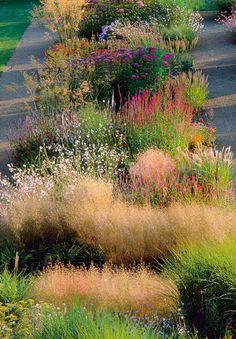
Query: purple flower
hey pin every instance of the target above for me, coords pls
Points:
(152, 49)
(167, 57)
(147, 58)
(134, 77)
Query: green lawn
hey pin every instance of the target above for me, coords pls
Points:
(14, 18)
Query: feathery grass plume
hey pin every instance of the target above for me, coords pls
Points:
(116, 289)
(86, 209)
(63, 16)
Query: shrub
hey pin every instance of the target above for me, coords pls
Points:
(13, 319)
(205, 276)
(116, 290)
(103, 12)
(124, 71)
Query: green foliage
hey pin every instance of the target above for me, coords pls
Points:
(182, 32)
(196, 95)
(38, 255)
(224, 4)
(81, 323)
(104, 12)
(212, 169)
(13, 286)
(193, 4)
(13, 320)
(14, 18)
(162, 134)
(206, 279)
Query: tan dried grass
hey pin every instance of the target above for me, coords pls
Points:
(126, 233)
(115, 290)
(63, 16)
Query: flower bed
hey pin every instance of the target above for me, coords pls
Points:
(117, 175)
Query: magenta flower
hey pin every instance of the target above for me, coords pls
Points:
(164, 64)
(167, 57)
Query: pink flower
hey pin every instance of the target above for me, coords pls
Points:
(164, 64)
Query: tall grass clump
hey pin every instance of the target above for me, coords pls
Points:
(163, 119)
(121, 290)
(203, 175)
(206, 279)
(63, 17)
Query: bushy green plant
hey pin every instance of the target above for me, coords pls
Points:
(13, 286)
(13, 319)
(104, 12)
(123, 71)
(206, 280)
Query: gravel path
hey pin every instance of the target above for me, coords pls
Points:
(14, 97)
(216, 56)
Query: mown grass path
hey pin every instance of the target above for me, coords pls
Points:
(14, 19)
(14, 103)
(216, 56)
